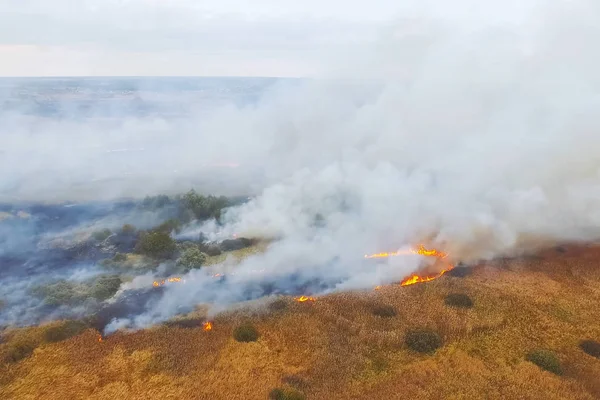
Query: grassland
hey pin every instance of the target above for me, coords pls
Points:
(338, 348)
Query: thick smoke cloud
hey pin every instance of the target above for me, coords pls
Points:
(480, 137)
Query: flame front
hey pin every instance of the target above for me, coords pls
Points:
(162, 282)
(207, 326)
(420, 250)
(302, 299)
(99, 338)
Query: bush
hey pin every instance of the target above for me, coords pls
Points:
(459, 300)
(158, 245)
(128, 229)
(245, 333)
(59, 293)
(19, 350)
(385, 311)
(156, 202)
(460, 271)
(286, 394)
(423, 340)
(235, 244)
(102, 235)
(210, 249)
(278, 305)
(105, 287)
(64, 331)
(169, 226)
(119, 258)
(203, 207)
(590, 347)
(192, 258)
(295, 381)
(545, 359)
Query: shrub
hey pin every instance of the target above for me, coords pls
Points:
(278, 305)
(245, 333)
(385, 311)
(59, 293)
(119, 258)
(286, 394)
(169, 226)
(157, 245)
(295, 381)
(423, 340)
(590, 347)
(105, 287)
(192, 258)
(203, 207)
(102, 235)
(460, 271)
(64, 331)
(210, 249)
(128, 229)
(459, 300)
(19, 350)
(235, 244)
(156, 202)
(545, 359)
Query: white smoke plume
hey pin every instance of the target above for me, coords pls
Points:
(480, 136)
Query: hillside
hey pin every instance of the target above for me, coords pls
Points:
(337, 348)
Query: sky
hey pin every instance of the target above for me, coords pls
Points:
(209, 37)
(182, 37)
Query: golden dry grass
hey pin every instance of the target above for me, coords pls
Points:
(338, 349)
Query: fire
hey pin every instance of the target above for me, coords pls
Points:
(420, 250)
(302, 299)
(418, 279)
(207, 326)
(162, 282)
(99, 338)
(392, 254)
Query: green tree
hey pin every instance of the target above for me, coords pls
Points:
(192, 258)
(158, 245)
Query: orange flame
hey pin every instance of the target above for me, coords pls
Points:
(420, 250)
(162, 282)
(99, 338)
(302, 299)
(418, 279)
(207, 326)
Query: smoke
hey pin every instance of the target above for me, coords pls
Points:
(479, 136)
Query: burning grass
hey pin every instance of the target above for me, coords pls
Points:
(341, 350)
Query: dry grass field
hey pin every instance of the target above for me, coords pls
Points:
(337, 348)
